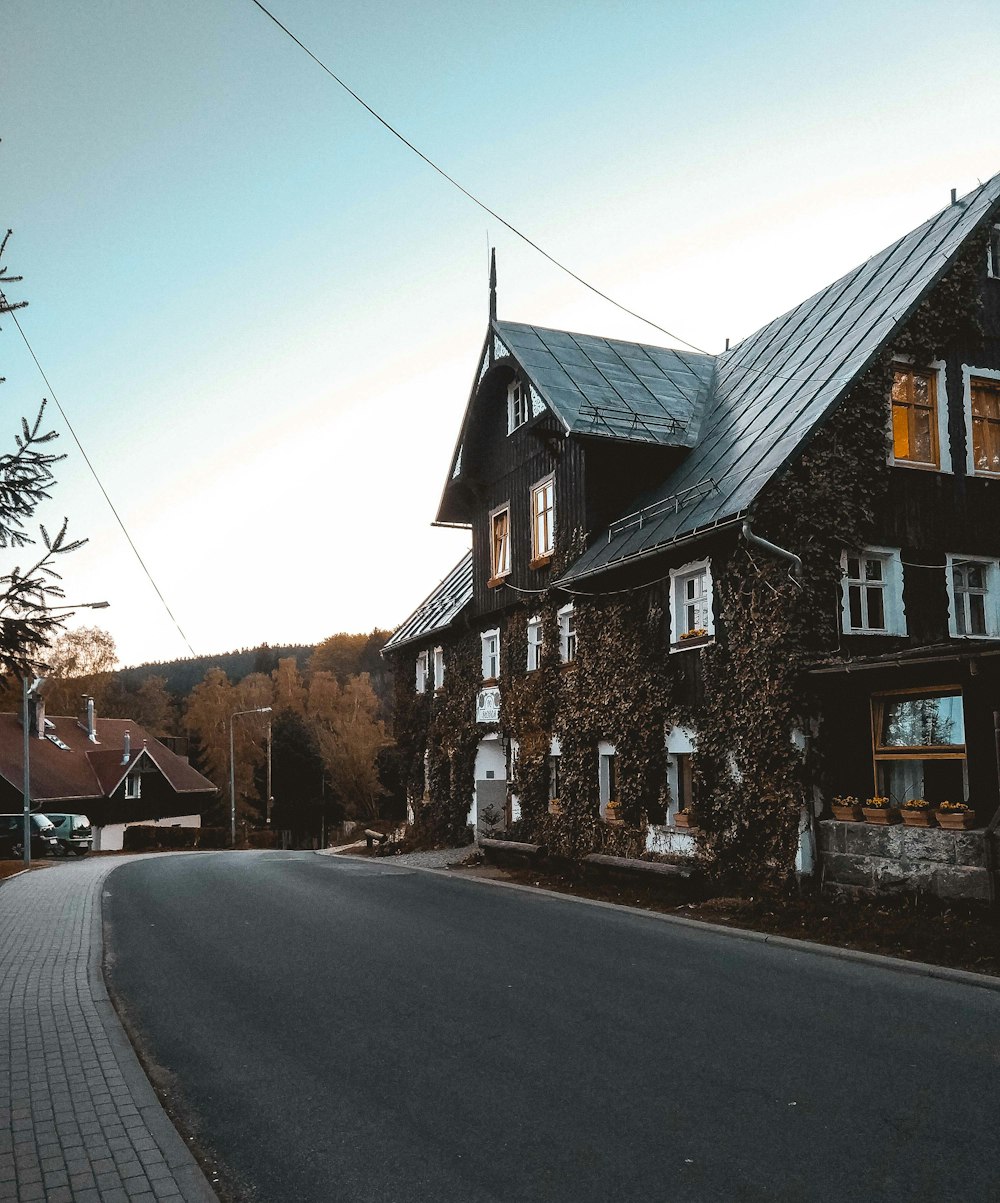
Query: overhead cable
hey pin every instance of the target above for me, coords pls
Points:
(465, 191)
(93, 472)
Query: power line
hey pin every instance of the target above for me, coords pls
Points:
(465, 191)
(93, 472)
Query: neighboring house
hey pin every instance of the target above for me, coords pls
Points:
(722, 590)
(106, 768)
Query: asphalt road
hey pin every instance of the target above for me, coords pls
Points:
(337, 1029)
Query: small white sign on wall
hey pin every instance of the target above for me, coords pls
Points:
(488, 705)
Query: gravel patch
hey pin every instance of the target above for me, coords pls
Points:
(438, 858)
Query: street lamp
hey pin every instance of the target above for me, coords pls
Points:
(29, 694)
(232, 769)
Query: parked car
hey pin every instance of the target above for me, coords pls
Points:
(73, 832)
(43, 835)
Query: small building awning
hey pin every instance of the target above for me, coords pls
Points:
(939, 653)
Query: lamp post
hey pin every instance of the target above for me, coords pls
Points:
(28, 695)
(232, 770)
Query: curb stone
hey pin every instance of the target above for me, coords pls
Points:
(964, 977)
(83, 1120)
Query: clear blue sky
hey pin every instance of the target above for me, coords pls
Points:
(263, 315)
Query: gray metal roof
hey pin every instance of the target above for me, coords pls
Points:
(440, 609)
(773, 389)
(606, 388)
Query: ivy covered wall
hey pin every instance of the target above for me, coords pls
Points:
(743, 696)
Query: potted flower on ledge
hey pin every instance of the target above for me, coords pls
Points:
(847, 809)
(878, 810)
(917, 813)
(956, 815)
(684, 818)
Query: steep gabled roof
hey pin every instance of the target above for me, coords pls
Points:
(77, 769)
(600, 388)
(776, 387)
(606, 388)
(440, 609)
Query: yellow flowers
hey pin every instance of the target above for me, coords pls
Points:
(877, 803)
(695, 633)
(917, 804)
(953, 806)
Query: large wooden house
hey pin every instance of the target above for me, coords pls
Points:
(708, 594)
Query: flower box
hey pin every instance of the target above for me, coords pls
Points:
(847, 814)
(683, 819)
(956, 820)
(918, 818)
(883, 816)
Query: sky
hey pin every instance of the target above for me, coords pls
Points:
(262, 314)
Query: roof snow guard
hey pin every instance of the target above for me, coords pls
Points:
(606, 388)
(775, 388)
(440, 609)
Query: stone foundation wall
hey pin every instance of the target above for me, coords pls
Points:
(866, 858)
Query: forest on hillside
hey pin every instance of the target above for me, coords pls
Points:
(329, 722)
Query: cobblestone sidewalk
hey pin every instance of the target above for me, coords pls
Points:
(79, 1120)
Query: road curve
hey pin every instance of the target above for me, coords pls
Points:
(339, 1029)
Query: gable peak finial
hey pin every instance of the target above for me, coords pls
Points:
(493, 284)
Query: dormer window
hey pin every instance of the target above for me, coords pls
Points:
(133, 786)
(518, 404)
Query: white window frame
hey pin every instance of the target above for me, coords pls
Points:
(938, 369)
(518, 404)
(499, 570)
(992, 264)
(678, 583)
(968, 372)
(133, 786)
(991, 605)
(567, 633)
(893, 608)
(539, 552)
(534, 643)
(491, 656)
(438, 668)
(422, 670)
(681, 741)
(605, 750)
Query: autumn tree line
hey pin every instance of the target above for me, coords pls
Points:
(331, 753)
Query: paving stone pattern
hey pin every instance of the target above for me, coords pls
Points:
(79, 1120)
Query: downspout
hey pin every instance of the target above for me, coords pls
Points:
(795, 572)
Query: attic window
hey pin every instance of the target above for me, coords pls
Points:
(518, 404)
(133, 786)
(499, 545)
(915, 433)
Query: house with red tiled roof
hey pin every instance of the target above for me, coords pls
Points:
(110, 769)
